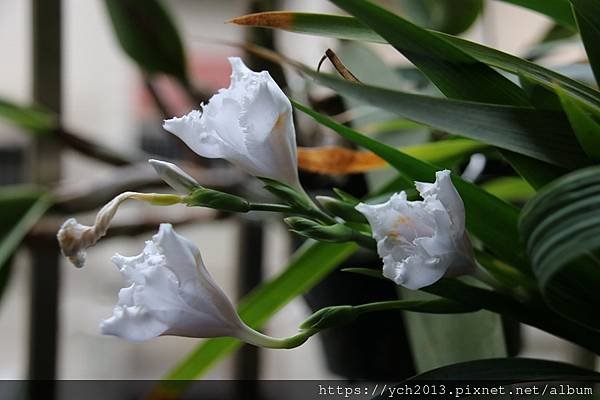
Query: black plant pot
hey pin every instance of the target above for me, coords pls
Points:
(375, 346)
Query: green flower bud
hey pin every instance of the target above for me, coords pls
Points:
(314, 230)
(341, 209)
(210, 198)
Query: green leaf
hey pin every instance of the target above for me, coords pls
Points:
(310, 264)
(587, 14)
(543, 135)
(585, 124)
(456, 17)
(350, 28)
(561, 228)
(444, 151)
(510, 370)
(32, 119)
(20, 209)
(455, 73)
(492, 220)
(369, 272)
(438, 340)
(458, 74)
(535, 72)
(553, 35)
(148, 35)
(510, 189)
(450, 16)
(532, 312)
(558, 10)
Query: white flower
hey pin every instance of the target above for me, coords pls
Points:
(249, 124)
(169, 292)
(422, 241)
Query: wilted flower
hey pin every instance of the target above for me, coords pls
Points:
(170, 292)
(74, 238)
(422, 241)
(249, 124)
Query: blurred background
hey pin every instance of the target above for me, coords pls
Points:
(103, 97)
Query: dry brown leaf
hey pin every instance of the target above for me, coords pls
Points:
(334, 160)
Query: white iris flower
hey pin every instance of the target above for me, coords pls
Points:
(422, 241)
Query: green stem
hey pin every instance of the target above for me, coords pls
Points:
(256, 338)
(483, 276)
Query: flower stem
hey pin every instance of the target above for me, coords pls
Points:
(256, 338)
(485, 277)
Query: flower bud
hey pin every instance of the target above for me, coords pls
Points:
(341, 209)
(174, 176)
(314, 230)
(210, 198)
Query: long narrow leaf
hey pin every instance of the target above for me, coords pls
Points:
(31, 119)
(20, 209)
(587, 14)
(350, 28)
(585, 126)
(148, 35)
(543, 135)
(455, 73)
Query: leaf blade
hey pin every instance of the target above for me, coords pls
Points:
(561, 228)
(587, 14)
(148, 35)
(349, 28)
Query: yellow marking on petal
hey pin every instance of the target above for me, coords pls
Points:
(280, 123)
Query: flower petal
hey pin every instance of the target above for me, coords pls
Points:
(413, 272)
(444, 191)
(249, 124)
(170, 292)
(421, 241)
(132, 323)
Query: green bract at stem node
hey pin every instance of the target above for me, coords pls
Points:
(329, 233)
(341, 209)
(298, 200)
(210, 198)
